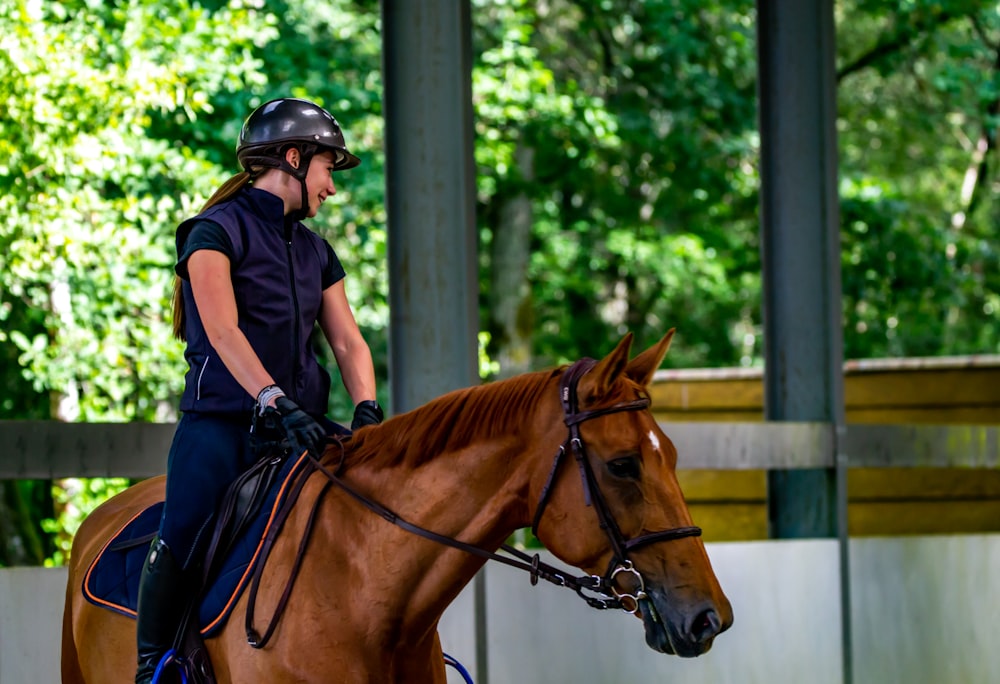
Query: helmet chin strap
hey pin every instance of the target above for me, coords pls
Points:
(306, 153)
(303, 210)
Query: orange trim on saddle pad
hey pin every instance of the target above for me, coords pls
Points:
(113, 589)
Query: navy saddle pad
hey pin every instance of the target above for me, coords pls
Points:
(112, 581)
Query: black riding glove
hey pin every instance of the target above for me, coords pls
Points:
(302, 432)
(366, 413)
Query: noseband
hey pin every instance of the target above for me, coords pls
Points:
(605, 588)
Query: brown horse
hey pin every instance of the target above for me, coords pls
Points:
(573, 452)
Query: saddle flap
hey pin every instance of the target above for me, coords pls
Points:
(112, 581)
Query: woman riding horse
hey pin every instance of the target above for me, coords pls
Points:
(574, 453)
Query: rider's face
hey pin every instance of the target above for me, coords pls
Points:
(319, 181)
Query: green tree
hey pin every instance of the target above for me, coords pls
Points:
(629, 128)
(89, 202)
(624, 135)
(919, 96)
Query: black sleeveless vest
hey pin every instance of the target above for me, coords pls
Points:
(277, 279)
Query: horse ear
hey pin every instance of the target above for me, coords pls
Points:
(600, 378)
(642, 367)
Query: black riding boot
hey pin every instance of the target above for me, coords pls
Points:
(162, 600)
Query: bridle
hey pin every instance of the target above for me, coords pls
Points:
(620, 547)
(598, 591)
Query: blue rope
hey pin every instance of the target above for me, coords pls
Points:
(448, 660)
(169, 658)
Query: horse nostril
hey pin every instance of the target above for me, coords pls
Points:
(705, 625)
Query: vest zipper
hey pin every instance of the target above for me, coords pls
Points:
(295, 309)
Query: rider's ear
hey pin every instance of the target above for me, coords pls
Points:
(642, 367)
(596, 383)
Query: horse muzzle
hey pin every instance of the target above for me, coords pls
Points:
(686, 632)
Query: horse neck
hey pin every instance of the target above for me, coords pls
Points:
(477, 494)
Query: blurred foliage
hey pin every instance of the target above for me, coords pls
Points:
(629, 129)
(919, 98)
(90, 200)
(75, 499)
(642, 120)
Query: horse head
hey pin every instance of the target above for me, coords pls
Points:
(618, 512)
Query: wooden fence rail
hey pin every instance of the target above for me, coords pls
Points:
(922, 443)
(48, 449)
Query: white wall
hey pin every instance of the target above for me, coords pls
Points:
(926, 610)
(785, 629)
(31, 606)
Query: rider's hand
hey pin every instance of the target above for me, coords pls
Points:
(302, 432)
(367, 413)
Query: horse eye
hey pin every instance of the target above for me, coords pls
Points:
(626, 468)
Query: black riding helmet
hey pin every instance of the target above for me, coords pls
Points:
(291, 122)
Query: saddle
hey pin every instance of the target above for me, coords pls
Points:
(241, 521)
(242, 503)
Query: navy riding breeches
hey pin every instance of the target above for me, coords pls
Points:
(208, 453)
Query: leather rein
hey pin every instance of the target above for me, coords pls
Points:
(598, 592)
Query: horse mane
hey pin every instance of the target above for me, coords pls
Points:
(451, 421)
